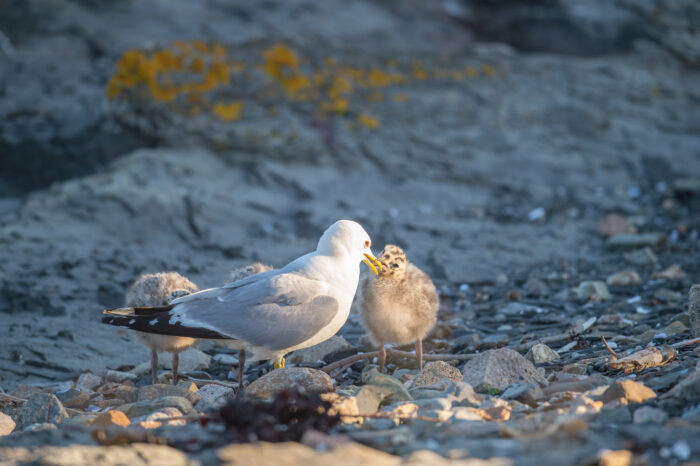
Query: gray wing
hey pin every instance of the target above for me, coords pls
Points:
(278, 311)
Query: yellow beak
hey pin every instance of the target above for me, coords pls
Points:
(371, 261)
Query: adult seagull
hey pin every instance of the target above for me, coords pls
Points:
(272, 313)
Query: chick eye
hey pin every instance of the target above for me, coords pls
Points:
(394, 266)
(367, 244)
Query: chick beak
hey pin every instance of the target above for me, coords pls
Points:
(371, 261)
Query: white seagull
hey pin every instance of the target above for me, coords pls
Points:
(270, 313)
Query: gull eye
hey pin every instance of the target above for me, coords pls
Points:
(367, 243)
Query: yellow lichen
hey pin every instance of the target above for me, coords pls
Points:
(228, 112)
(488, 70)
(368, 121)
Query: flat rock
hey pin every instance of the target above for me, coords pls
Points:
(320, 352)
(41, 408)
(191, 359)
(120, 377)
(687, 390)
(136, 454)
(73, 398)
(304, 378)
(7, 425)
(499, 368)
(593, 290)
(541, 353)
(263, 453)
(112, 417)
(627, 391)
(527, 393)
(159, 390)
(672, 273)
(634, 241)
(212, 395)
(87, 382)
(390, 385)
(435, 371)
(142, 408)
(624, 278)
(614, 224)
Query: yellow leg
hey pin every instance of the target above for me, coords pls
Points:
(279, 363)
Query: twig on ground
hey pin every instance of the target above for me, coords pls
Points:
(207, 382)
(692, 341)
(396, 354)
(573, 333)
(22, 400)
(610, 350)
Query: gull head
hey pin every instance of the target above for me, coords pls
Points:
(394, 260)
(346, 238)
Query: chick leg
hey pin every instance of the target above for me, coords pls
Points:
(241, 369)
(154, 366)
(176, 362)
(419, 353)
(382, 357)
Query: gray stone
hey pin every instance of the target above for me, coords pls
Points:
(212, 395)
(191, 359)
(541, 353)
(320, 352)
(142, 408)
(624, 278)
(527, 393)
(159, 390)
(687, 390)
(388, 384)
(672, 273)
(87, 382)
(39, 427)
(634, 241)
(120, 377)
(164, 414)
(136, 454)
(303, 378)
(7, 425)
(435, 371)
(593, 290)
(692, 415)
(644, 256)
(648, 414)
(536, 287)
(41, 408)
(74, 399)
(616, 415)
(627, 391)
(499, 368)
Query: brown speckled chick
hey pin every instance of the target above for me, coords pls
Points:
(158, 289)
(400, 305)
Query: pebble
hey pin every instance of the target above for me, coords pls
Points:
(151, 392)
(644, 256)
(225, 359)
(142, 408)
(528, 393)
(120, 377)
(111, 418)
(541, 353)
(74, 399)
(672, 273)
(624, 278)
(499, 368)
(87, 382)
(388, 384)
(155, 420)
(212, 395)
(614, 224)
(536, 287)
(593, 290)
(435, 371)
(42, 407)
(310, 380)
(7, 425)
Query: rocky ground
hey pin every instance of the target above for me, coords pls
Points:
(540, 162)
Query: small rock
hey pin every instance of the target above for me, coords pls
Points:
(74, 399)
(212, 395)
(536, 287)
(142, 408)
(7, 425)
(624, 278)
(687, 390)
(648, 414)
(225, 359)
(191, 359)
(517, 309)
(390, 385)
(692, 415)
(593, 290)
(541, 353)
(111, 418)
(666, 295)
(627, 391)
(127, 393)
(39, 427)
(436, 370)
(120, 377)
(527, 393)
(634, 241)
(614, 224)
(616, 415)
(673, 273)
(41, 408)
(321, 352)
(87, 382)
(151, 392)
(25, 391)
(644, 256)
(681, 450)
(342, 405)
(499, 368)
(310, 380)
(155, 420)
(615, 458)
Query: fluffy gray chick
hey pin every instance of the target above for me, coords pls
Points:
(158, 289)
(400, 305)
